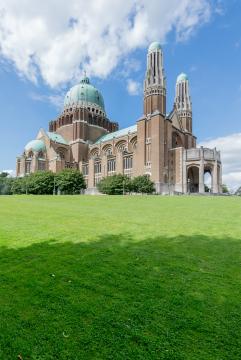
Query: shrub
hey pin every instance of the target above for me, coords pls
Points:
(225, 189)
(39, 183)
(5, 185)
(142, 184)
(115, 185)
(18, 186)
(70, 181)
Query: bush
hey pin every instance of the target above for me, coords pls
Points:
(70, 181)
(40, 183)
(115, 185)
(5, 185)
(142, 184)
(18, 186)
(225, 189)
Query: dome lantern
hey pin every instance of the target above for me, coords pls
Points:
(154, 46)
(182, 77)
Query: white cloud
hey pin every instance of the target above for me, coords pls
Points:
(11, 173)
(57, 39)
(230, 147)
(55, 99)
(133, 87)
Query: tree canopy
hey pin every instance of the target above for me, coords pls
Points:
(70, 181)
(142, 184)
(115, 185)
(120, 184)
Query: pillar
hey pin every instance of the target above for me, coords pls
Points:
(215, 178)
(201, 172)
(91, 174)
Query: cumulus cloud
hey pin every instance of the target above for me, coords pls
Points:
(133, 87)
(56, 100)
(57, 39)
(230, 147)
(11, 173)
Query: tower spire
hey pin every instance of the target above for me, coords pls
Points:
(183, 102)
(155, 81)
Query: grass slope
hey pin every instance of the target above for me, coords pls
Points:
(120, 278)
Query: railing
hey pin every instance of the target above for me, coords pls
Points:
(202, 153)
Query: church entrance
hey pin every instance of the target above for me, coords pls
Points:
(193, 179)
(208, 180)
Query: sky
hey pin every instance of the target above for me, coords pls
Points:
(46, 46)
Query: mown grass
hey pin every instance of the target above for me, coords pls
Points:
(120, 278)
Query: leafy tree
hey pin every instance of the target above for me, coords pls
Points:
(4, 174)
(70, 181)
(115, 185)
(40, 183)
(225, 189)
(18, 186)
(5, 185)
(143, 184)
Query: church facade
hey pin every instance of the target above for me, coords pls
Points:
(160, 145)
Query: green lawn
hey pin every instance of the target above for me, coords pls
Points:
(120, 278)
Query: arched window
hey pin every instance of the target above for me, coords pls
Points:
(94, 152)
(107, 149)
(111, 164)
(61, 153)
(121, 146)
(40, 154)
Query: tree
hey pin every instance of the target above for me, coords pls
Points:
(5, 185)
(143, 184)
(4, 174)
(70, 181)
(18, 186)
(40, 183)
(225, 189)
(115, 185)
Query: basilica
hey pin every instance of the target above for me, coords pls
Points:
(159, 144)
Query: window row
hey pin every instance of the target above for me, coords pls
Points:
(111, 166)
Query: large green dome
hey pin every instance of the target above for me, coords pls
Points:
(84, 94)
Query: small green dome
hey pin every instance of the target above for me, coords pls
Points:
(35, 146)
(84, 92)
(154, 46)
(182, 77)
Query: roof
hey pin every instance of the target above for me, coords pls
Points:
(182, 77)
(117, 134)
(35, 145)
(154, 46)
(56, 138)
(86, 93)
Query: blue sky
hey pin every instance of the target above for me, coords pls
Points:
(204, 41)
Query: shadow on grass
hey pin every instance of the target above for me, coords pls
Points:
(116, 298)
